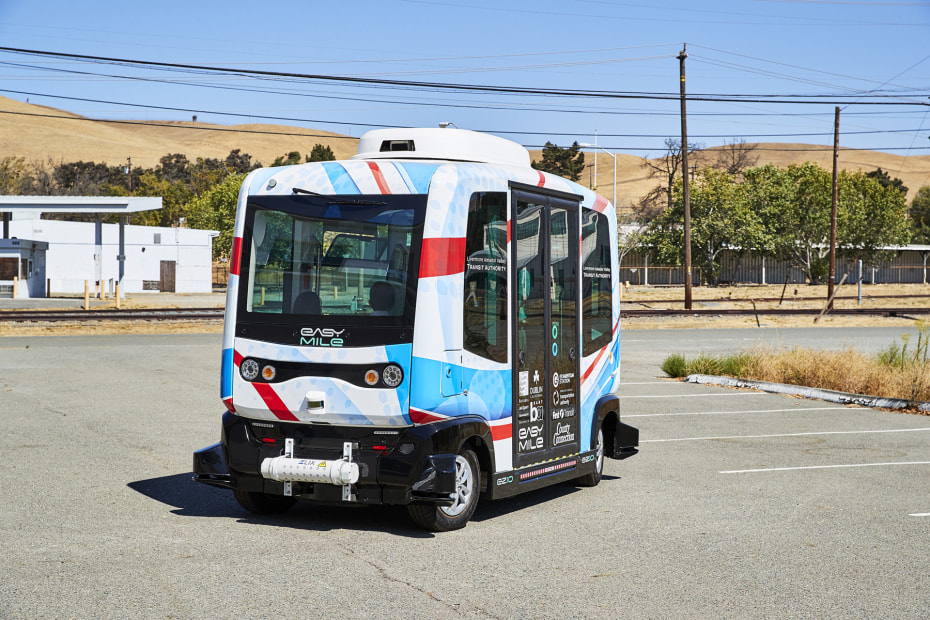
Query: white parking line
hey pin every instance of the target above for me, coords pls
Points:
(895, 430)
(666, 382)
(749, 471)
(660, 415)
(920, 514)
(714, 395)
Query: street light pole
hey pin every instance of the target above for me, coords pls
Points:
(595, 146)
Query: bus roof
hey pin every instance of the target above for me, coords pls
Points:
(444, 144)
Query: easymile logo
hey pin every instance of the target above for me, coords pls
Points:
(321, 336)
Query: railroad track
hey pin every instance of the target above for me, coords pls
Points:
(213, 314)
(147, 314)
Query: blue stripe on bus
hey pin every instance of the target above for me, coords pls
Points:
(417, 176)
(339, 177)
(226, 374)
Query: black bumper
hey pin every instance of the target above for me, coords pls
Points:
(414, 464)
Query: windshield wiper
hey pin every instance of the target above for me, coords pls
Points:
(337, 201)
(300, 190)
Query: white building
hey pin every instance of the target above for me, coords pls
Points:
(140, 258)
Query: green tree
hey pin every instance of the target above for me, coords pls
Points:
(920, 216)
(215, 209)
(321, 153)
(794, 206)
(568, 163)
(174, 195)
(290, 159)
(238, 162)
(15, 177)
(720, 219)
(173, 168)
(885, 179)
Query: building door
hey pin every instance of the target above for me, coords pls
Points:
(166, 282)
(546, 358)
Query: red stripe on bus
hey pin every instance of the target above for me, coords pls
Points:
(600, 204)
(502, 431)
(237, 358)
(379, 178)
(236, 255)
(274, 402)
(542, 179)
(442, 256)
(423, 417)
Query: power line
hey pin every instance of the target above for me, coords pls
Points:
(340, 137)
(442, 86)
(494, 131)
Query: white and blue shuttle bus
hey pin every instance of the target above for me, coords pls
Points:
(428, 322)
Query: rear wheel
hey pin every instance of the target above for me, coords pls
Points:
(465, 498)
(263, 504)
(591, 479)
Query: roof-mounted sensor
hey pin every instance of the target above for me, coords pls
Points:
(444, 144)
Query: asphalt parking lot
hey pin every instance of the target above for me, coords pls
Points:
(740, 505)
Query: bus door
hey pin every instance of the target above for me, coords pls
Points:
(546, 359)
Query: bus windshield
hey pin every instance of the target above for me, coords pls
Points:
(333, 260)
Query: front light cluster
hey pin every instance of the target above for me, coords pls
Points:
(250, 370)
(391, 376)
(387, 376)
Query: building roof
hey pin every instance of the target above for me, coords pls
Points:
(78, 204)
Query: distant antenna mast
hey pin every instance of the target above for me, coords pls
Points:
(128, 171)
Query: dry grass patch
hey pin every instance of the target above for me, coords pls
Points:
(901, 372)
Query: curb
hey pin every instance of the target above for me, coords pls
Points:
(843, 398)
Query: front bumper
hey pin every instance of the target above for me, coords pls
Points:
(394, 466)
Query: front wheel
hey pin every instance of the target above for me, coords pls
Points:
(465, 498)
(591, 479)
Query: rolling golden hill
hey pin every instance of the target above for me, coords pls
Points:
(42, 133)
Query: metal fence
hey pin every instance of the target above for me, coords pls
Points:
(906, 267)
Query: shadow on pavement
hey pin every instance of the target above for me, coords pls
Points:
(192, 499)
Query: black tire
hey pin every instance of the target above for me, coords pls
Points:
(591, 479)
(446, 518)
(262, 504)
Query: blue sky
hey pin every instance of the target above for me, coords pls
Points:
(853, 52)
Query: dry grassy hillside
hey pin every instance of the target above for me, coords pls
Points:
(63, 136)
(67, 137)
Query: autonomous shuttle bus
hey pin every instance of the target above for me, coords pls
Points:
(428, 322)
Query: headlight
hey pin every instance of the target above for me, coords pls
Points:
(392, 375)
(249, 369)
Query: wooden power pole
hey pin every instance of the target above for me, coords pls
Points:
(686, 193)
(831, 283)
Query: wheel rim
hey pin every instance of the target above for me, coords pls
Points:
(464, 487)
(600, 451)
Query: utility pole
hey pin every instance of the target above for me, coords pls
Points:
(686, 192)
(836, 158)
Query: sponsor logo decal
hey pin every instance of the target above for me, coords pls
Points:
(321, 337)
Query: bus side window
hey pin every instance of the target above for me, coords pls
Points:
(597, 302)
(485, 312)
